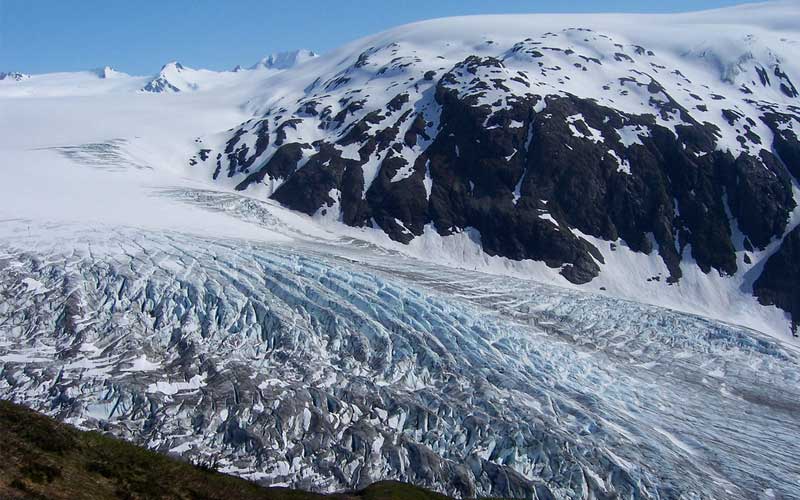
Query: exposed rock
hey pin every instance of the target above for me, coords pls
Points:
(779, 283)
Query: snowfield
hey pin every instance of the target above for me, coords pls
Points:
(142, 297)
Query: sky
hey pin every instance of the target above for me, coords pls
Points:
(39, 36)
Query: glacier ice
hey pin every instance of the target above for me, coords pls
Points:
(293, 364)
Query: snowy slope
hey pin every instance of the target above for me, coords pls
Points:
(145, 297)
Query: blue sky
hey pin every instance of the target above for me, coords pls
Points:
(137, 36)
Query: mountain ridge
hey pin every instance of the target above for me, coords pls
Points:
(174, 77)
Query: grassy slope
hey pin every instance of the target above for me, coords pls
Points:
(41, 458)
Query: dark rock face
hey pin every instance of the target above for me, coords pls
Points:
(759, 196)
(785, 143)
(280, 166)
(404, 200)
(779, 284)
(475, 168)
(310, 187)
(474, 148)
(583, 183)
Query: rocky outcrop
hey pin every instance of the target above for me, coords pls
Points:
(779, 283)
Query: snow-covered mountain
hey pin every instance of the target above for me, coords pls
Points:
(285, 60)
(107, 72)
(175, 77)
(516, 256)
(13, 76)
(658, 165)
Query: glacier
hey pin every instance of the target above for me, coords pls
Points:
(328, 366)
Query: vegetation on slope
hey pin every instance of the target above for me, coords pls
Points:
(42, 458)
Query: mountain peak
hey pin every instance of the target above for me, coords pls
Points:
(173, 65)
(170, 79)
(14, 76)
(107, 72)
(285, 60)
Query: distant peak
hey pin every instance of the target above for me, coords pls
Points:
(14, 76)
(173, 77)
(285, 60)
(108, 72)
(173, 65)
